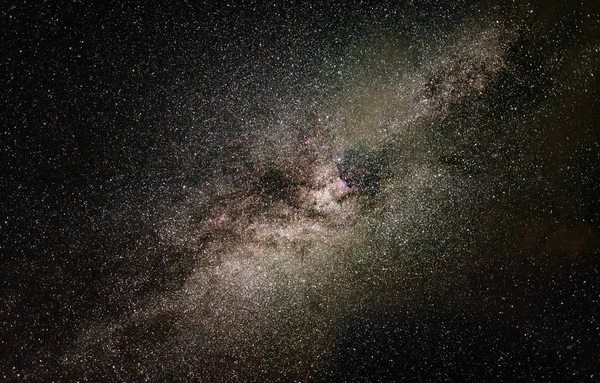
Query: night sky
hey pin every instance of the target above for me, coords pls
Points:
(300, 192)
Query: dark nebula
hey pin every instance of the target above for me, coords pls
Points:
(360, 169)
(311, 192)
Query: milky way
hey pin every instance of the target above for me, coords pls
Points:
(380, 193)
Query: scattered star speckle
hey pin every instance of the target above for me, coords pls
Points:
(339, 192)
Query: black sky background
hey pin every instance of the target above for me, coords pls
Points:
(95, 95)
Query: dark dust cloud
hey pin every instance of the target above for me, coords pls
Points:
(316, 192)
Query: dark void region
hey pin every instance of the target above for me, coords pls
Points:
(361, 169)
(435, 348)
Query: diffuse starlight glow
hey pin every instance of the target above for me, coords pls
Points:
(285, 251)
(340, 192)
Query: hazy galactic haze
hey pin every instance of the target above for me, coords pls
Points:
(338, 191)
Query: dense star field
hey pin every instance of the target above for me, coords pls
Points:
(316, 192)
